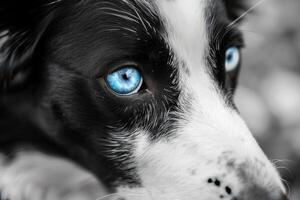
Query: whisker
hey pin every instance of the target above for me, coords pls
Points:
(286, 183)
(285, 168)
(246, 12)
(53, 2)
(275, 161)
(107, 196)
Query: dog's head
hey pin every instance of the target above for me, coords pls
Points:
(140, 93)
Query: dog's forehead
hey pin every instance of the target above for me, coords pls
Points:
(187, 33)
(126, 28)
(184, 18)
(185, 24)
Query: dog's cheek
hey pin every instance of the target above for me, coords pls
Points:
(35, 176)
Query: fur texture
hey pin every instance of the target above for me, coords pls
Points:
(179, 137)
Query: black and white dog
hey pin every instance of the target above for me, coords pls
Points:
(137, 92)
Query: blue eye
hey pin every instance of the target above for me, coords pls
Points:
(232, 58)
(125, 81)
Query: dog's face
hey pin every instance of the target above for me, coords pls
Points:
(140, 93)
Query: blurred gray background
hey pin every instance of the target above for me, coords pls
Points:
(269, 92)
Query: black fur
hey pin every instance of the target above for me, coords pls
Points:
(24, 24)
(235, 8)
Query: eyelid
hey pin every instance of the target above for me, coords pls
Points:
(235, 43)
(234, 38)
(123, 65)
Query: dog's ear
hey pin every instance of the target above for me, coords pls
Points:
(22, 26)
(236, 8)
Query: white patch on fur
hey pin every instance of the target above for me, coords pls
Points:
(35, 176)
(212, 140)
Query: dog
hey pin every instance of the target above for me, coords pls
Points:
(138, 94)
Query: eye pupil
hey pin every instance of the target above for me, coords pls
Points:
(125, 77)
(229, 57)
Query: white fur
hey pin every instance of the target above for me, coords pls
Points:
(35, 176)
